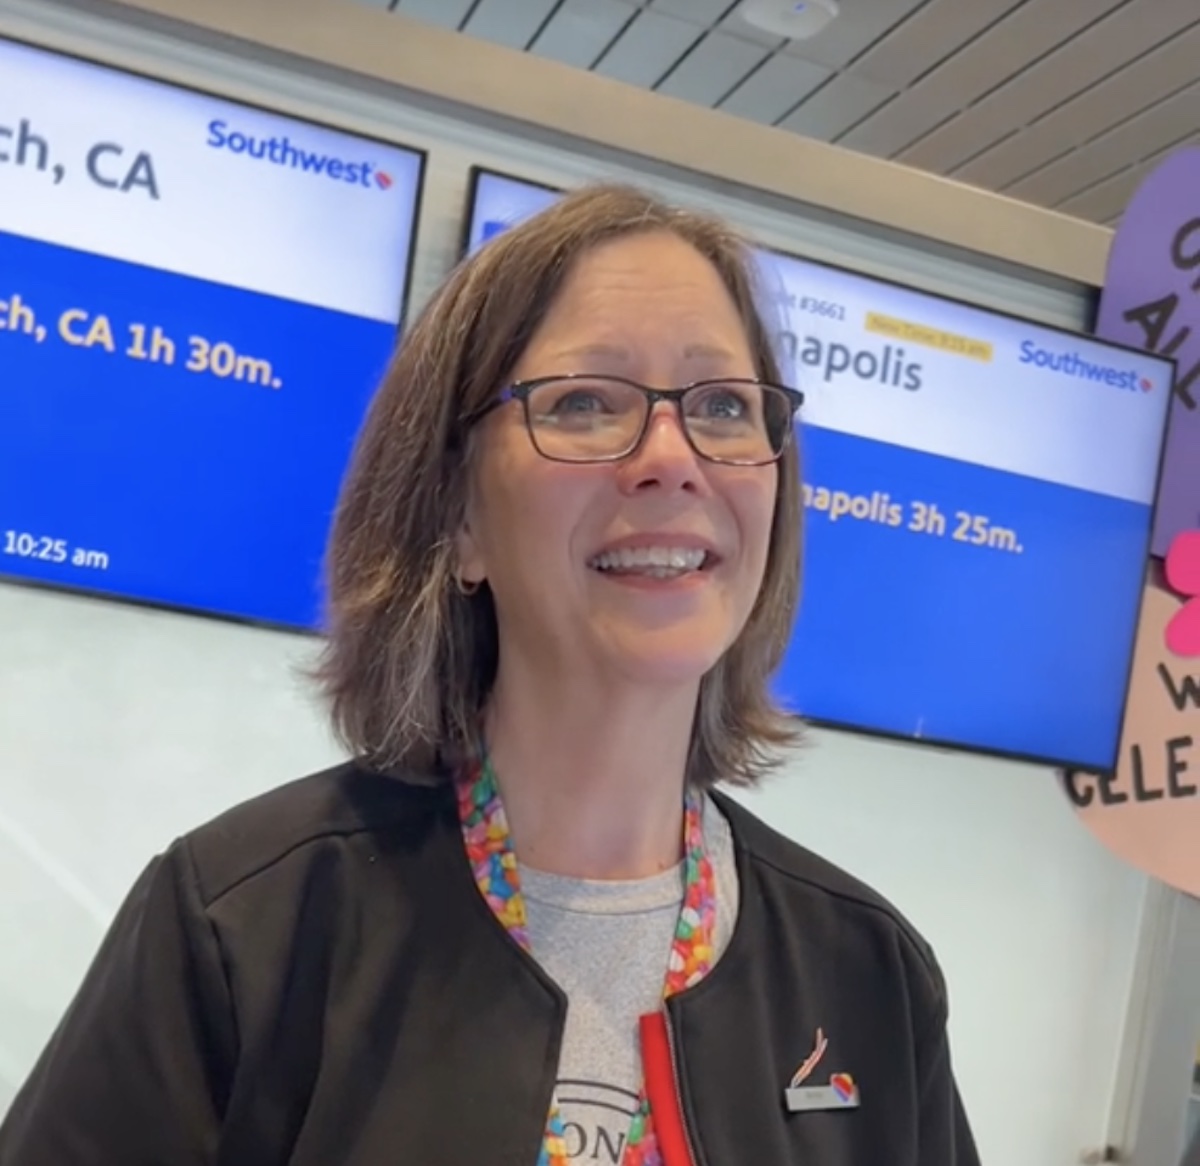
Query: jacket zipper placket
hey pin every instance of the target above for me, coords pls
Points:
(693, 1160)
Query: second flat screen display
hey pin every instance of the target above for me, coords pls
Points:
(978, 497)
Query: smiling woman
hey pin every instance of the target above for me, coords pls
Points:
(522, 925)
(608, 282)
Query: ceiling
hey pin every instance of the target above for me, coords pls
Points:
(1064, 103)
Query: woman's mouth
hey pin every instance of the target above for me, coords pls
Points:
(654, 562)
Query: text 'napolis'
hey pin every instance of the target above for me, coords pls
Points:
(832, 360)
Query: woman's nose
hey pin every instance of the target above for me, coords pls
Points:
(665, 458)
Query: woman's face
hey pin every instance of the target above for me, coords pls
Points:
(566, 548)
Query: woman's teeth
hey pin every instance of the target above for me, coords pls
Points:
(657, 562)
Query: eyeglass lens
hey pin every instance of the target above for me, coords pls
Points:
(597, 418)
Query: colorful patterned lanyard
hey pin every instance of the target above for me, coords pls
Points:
(489, 849)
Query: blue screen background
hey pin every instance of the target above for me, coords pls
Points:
(920, 635)
(203, 492)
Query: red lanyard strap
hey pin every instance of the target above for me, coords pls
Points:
(662, 1090)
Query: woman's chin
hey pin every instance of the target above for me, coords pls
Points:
(664, 656)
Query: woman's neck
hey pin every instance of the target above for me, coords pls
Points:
(592, 787)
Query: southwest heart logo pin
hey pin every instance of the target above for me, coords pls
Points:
(840, 1093)
(843, 1085)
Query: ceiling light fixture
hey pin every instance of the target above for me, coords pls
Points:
(788, 19)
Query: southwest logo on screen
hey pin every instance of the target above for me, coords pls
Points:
(1069, 363)
(280, 151)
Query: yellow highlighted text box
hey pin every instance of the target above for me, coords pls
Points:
(913, 333)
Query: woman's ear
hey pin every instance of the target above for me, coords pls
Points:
(471, 570)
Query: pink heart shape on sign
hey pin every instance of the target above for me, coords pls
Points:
(1183, 632)
(1183, 563)
(1182, 571)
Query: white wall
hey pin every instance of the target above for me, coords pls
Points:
(121, 727)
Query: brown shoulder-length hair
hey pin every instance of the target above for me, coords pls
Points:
(409, 659)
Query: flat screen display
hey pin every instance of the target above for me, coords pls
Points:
(979, 493)
(499, 201)
(197, 299)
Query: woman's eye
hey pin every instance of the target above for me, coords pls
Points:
(726, 406)
(579, 401)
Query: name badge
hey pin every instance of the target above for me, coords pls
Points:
(840, 1093)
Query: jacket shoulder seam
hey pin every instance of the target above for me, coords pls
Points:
(212, 899)
(893, 916)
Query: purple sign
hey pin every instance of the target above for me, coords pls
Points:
(1151, 300)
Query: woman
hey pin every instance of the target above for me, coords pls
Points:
(559, 582)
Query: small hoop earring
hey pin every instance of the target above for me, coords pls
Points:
(466, 587)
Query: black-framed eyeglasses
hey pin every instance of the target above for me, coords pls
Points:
(581, 417)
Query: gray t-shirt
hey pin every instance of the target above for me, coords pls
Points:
(606, 945)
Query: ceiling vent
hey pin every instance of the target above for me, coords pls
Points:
(788, 19)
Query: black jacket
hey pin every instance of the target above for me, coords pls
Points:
(313, 979)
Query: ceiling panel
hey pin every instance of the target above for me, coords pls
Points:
(1134, 88)
(1135, 139)
(1055, 101)
(860, 25)
(928, 37)
(648, 48)
(712, 69)
(509, 22)
(1020, 37)
(580, 30)
(444, 13)
(704, 12)
(1103, 48)
(1106, 200)
(775, 88)
(844, 100)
